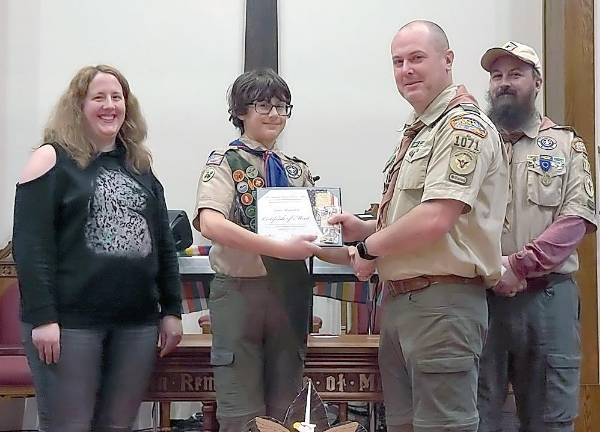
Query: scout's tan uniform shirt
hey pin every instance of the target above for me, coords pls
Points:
(456, 156)
(550, 177)
(217, 191)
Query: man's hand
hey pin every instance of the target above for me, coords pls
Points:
(46, 338)
(353, 228)
(509, 284)
(363, 269)
(171, 332)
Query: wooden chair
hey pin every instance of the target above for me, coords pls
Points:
(15, 375)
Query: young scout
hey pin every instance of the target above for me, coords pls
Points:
(259, 299)
(533, 339)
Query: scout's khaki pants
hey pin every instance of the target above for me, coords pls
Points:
(258, 350)
(429, 352)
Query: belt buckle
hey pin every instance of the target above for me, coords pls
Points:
(428, 282)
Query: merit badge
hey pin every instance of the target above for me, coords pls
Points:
(579, 146)
(246, 198)
(293, 171)
(215, 158)
(463, 162)
(546, 143)
(468, 125)
(251, 211)
(253, 224)
(208, 174)
(258, 182)
(238, 175)
(586, 166)
(251, 171)
(588, 185)
(242, 187)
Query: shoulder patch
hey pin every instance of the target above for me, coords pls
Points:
(208, 174)
(462, 164)
(579, 146)
(293, 170)
(215, 158)
(470, 125)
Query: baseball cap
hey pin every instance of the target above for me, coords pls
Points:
(522, 52)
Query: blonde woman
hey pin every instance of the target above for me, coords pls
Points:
(96, 261)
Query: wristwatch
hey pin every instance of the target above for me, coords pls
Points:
(361, 247)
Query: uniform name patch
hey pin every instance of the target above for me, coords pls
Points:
(468, 125)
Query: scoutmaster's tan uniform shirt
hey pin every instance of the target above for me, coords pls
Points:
(457, 156)
(217, 190)
(550, 177)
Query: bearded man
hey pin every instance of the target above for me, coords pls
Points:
(533, 340)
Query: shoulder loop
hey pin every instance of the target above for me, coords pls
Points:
(295, 159)
(470, 107)
(567, 128)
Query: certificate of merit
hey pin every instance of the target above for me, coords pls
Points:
(286, 212)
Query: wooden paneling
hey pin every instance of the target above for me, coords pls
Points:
(589, 414)
(569, 97)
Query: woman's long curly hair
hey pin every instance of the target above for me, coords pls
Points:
(66, 126)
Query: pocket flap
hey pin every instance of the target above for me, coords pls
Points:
(220, 357)
(446, 365)
(561, 361)
(416, 153)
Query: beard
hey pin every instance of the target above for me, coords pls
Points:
(509, 112)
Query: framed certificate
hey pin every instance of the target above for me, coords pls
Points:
(286, 212)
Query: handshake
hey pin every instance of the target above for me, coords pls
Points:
(353, 229)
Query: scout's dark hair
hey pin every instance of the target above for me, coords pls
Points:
(255, 86)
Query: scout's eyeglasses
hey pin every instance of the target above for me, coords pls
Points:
(266, 107)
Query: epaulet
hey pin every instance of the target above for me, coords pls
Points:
(567, 128)
(470, 107)
(296, 159)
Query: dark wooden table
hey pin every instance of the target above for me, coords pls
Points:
(342, 368)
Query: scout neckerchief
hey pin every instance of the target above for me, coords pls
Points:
(462, 96)
(290, 279)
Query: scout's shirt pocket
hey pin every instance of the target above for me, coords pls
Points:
(545, 175)
(413, 169)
